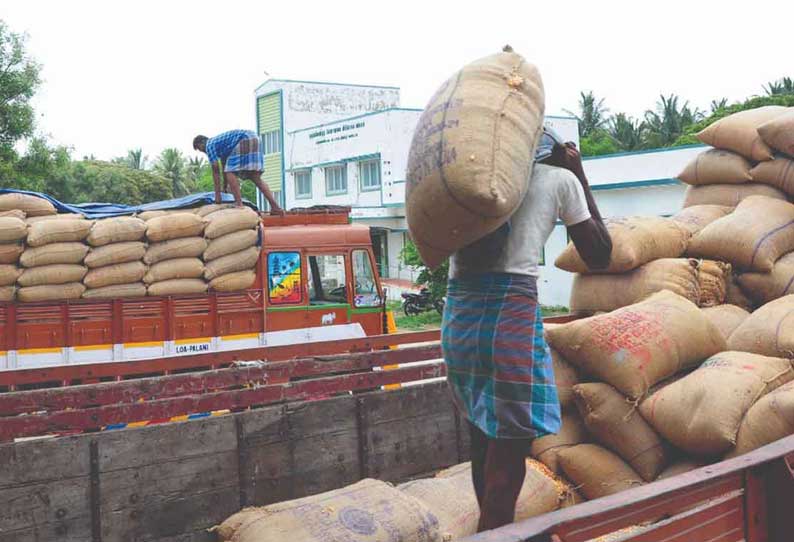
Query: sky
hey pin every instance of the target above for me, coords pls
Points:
(152, 74)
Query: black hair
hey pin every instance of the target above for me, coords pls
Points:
(198, 140)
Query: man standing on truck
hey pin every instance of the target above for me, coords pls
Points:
(233, 154)
(498, 363)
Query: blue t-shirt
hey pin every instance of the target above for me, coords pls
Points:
(221, 146)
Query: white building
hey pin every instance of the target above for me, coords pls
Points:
(338, 144)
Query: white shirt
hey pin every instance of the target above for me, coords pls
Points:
(554, 194)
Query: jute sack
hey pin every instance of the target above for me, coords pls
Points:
(232, 282)
(701, 412)
(454, 506)
(769, 419)
(54, 253)
(739, 132)
(230, 243)
(615, 423)
(122, 273)
(228, 221)
(697, 217)
(174, 226)
(726, 318)
(52, 274)
(540, 493)
(148, 215)
(179, 268)
(59, 292)
(778, 173)
(597, 472)
(177, 287)
(565, 378)
(114, 253)
(16, 213)
(637, 346)
(680, 467)
(136, 289)
(30, 205)
(767, 331)
(116, 230)
(12, 229)
(734, 295)
(57, 231)
(186, 247)
(10, 253)
(572, 432)
(712, 280)
(766, 287)
(367, 511)
(594, 293)
(753, 237)
(8, 293)
(472, 153)
(239, 261)
(59, 216)
(778, 133)
(728, 195)
(717, 166)
(635, 241)
(204, 210)
(9, 274)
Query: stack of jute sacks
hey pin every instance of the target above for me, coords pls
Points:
(45, 256)
(53, 258)
(656, 390)
(232, 253)
(437, 509)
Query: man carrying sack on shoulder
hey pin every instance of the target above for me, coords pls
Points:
(499, 367)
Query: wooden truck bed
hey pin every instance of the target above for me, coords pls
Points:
(296, 427)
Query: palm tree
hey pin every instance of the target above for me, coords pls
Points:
(780, 87)
(626, 132)
(592, 114)
(669, 121)
(195, 167)
(716, 105)
(171, 164)
(136, 159)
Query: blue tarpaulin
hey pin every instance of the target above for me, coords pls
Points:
(104, 210)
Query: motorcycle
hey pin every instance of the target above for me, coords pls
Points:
(414, 304)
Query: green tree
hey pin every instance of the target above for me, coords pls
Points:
(626, 132)
(171, 164)
(665, 125)
(195, 167)
(436, 280)
(782, 86)
(717, 105)
(45, 169)
(105, 181)
(136, 159)
(592, 116)
(19, 79)
(598, 143)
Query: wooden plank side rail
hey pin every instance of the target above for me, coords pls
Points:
(66, 374)
(162, 387)
(12, 427)
(171, 482)
(720, 502)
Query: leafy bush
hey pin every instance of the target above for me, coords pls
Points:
(436, 280)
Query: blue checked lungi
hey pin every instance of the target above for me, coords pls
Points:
(499, 366)
(246, 156)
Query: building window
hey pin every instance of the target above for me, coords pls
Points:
(271, 142)
(336, 180)
(369, 173)
(303, 184)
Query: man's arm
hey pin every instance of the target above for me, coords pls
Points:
(591, 237)
(216, 181)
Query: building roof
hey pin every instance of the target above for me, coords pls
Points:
(297, 81)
